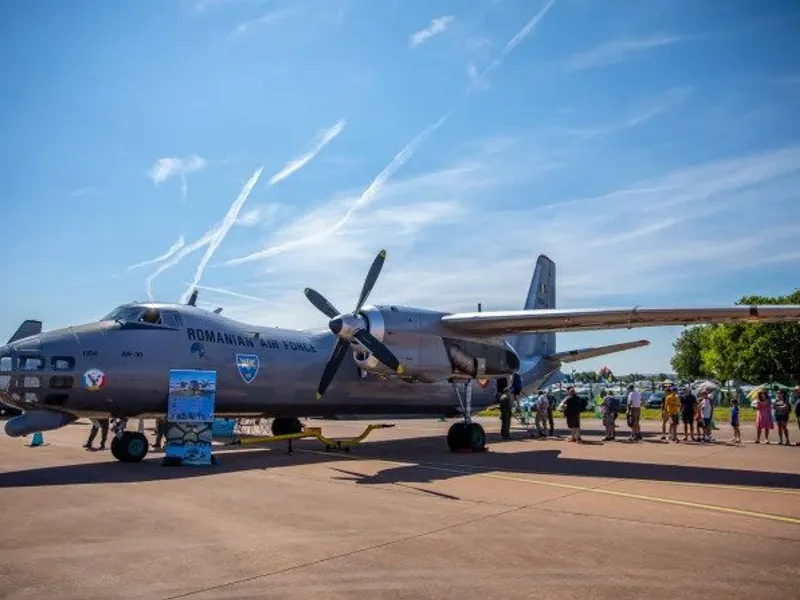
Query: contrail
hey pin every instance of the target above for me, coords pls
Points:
(229, 293)
(369, 194)
(520, 35)
(178, 257)
(222, 231)
(172, 250)
(323, 140)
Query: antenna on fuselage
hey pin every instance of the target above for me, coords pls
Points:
(217, 310)
(192, 298)
(479, 307)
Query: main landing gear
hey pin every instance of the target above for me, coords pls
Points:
(128, 446)
(466, 436)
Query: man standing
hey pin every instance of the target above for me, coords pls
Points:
(505, 407)
(97, 425)
(634, 412)
(688, 409)
(572, 411)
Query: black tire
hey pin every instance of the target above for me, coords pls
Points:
(475, 437)
(456, 437)
(286, 426)
(131, 446)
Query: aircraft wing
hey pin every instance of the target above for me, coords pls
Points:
(569, 356)
(493, 323)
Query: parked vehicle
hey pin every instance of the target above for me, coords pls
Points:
(655, 400)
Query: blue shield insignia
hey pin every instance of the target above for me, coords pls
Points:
(248, 366)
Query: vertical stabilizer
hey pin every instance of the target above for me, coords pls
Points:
(541, 294)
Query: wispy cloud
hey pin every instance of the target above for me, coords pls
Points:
(644, 240)
(323, 139)
(368, 196)
(214, 237)
(254, 25)
(172, 166)
(180, 243)
(437, 26)
(84, 191)
(615, 51)
(227, 292)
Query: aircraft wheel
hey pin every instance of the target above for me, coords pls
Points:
(132, 446)
(286, 425)
(475, 437)
(456, 437)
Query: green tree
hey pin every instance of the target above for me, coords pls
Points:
(752, 352)
(688, 358)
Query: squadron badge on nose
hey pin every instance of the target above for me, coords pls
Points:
(248, 365)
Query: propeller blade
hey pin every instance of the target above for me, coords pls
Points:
(381, 352)
(372, 277)
(319, 301)
(333, 365)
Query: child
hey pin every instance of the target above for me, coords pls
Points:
(737, 435)
(542, 406)
(706, 412)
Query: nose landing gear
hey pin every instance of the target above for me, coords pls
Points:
(466, 436)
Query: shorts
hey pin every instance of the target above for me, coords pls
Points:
(573, 421)
(674, 419)
(781, 418)
(633, 415)
(608, 419)
(687, 416)
(734, 422)
(707, 422)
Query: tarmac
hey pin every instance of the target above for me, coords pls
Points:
(401, 517)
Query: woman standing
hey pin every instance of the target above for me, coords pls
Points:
(782, 411)
(764, 416)
(572, 411)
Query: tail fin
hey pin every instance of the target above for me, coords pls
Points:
(27, 329)
(541, 294)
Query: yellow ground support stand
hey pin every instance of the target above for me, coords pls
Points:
(313, 432)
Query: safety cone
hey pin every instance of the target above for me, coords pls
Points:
(37, 440)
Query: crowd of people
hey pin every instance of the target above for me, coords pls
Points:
(695, 412)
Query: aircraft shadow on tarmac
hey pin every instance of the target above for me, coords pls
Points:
(430, 451)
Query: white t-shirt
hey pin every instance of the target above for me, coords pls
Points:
(706, 408)
(542, 403)
(634, 399)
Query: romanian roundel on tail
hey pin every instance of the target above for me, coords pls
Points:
(541, 294)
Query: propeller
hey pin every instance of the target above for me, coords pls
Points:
(350, 326)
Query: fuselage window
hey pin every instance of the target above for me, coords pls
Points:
(61, 382)
(5, 363)
(63, 363)
(31, 363)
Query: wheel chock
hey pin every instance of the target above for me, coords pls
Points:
(37, 440)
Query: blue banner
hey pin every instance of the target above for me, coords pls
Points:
(190, 416)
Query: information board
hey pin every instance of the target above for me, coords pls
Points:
(190, 417)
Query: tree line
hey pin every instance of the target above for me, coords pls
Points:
(746, 352)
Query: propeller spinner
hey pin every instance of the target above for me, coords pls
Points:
(350, 326)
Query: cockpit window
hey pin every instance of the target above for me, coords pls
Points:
(171, 319)
(151, 315)
(31, 363)
(124, 314)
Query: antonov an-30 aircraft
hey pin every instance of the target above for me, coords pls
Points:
(374, 360)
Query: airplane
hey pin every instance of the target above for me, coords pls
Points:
(373, 360)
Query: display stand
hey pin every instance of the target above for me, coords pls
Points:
(190, 418)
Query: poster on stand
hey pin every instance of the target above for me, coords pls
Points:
(190, 416)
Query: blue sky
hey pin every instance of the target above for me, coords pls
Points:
(652, 149)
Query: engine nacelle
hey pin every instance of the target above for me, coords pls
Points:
(427, 351)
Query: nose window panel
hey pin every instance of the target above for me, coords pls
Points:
(32, 382)
(5, 364)
(62, 363)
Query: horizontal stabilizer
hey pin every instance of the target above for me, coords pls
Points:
(587, 319)
(27, 329)
(584, 353)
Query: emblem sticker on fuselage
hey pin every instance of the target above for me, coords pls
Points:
(94, 379)
(198, 349)
(248, 365)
